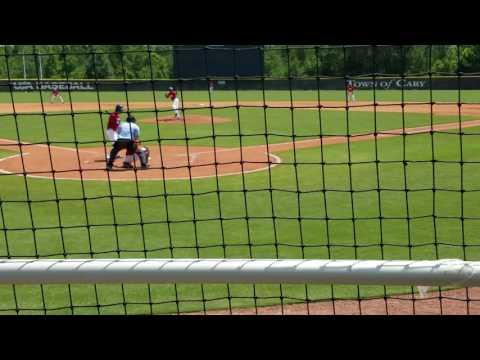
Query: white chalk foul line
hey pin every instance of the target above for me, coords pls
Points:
(277, 159)
(12, 142)
(196, 153)
(14, 156)
(193, 156)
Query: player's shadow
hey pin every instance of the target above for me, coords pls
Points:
(103, 160)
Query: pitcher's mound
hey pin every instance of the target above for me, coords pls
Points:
(189, 119)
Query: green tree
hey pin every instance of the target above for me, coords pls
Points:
(444, 59)
(469, 58)
(143, 62)
(275, 64)
(98, 67)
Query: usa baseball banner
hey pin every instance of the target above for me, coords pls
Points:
(50, 85)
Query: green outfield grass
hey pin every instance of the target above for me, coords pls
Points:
(250, 95)
(295, 228)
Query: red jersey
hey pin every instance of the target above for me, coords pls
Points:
(172, 95)
(113, 121)
(350, 88)
(55, 92)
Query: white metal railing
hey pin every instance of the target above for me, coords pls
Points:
(373, 272)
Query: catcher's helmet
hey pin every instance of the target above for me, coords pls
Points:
(118, 108)
(131, 119)
(144, 155)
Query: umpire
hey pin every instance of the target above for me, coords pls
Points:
(128, 138)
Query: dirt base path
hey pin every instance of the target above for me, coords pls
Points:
(76, 107)
(382, 106)
(171, 162)
(451, 302)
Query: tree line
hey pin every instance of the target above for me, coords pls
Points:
(389, 60)
(86, 61)
(157, 61)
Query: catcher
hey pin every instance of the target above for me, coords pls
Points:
(129, 139)
(143, 154)
(172, 95)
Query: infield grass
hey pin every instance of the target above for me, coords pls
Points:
(250, 126)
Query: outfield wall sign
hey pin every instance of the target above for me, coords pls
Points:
(50, 85)
(391, 84)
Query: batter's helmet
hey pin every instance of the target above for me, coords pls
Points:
(170, 88)
(118, 108)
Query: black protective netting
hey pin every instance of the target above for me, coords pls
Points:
(311, 152)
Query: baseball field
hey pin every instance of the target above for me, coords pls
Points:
(292, 180)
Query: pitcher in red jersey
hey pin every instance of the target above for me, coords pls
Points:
(172, 95)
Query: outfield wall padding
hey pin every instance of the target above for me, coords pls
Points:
(451, 83)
